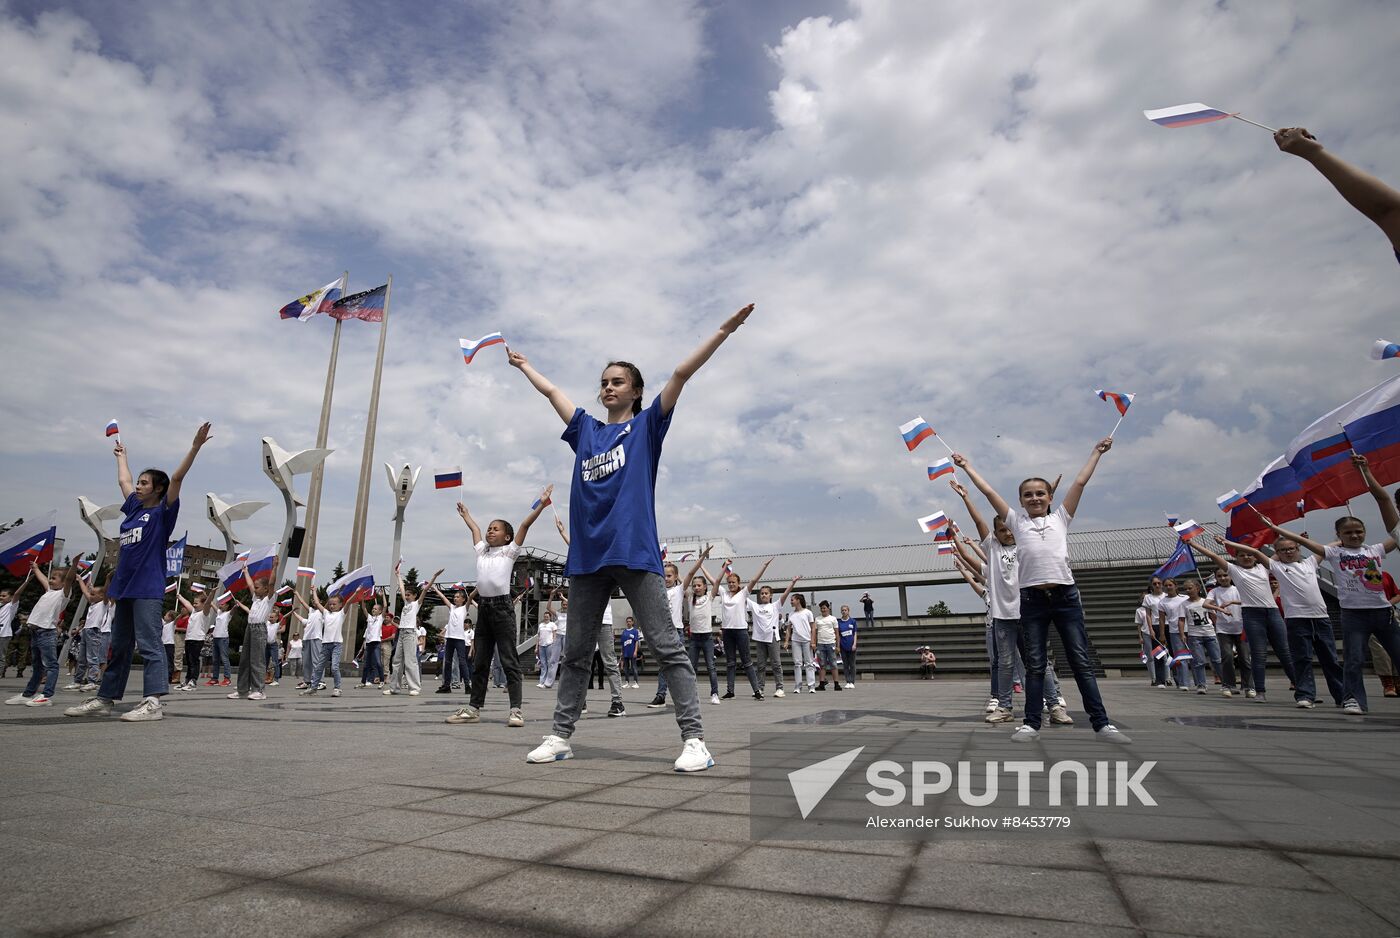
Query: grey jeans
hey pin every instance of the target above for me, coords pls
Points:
(404, 674)
(765, 655)
(252, 660)
(610, 668)
(802, 660)
(646, 593)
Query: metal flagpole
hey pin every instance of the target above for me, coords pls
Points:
(307, 557)
(357, 531)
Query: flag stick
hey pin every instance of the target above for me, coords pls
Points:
(1272, 130)
(945, 444)
(1116, 425)
(1353, 452)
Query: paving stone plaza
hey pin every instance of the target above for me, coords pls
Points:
(369, 816)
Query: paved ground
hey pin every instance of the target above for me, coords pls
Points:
(369, 816)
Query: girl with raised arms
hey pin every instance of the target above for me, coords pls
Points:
(612, 518)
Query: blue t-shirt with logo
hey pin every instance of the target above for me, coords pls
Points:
(630, 637)
(612, 497)
(846, 633)
(141, 560)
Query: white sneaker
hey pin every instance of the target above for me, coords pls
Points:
(39, 700)
(694, 757)
(93, 707)
(1184, 688)
(1111, 734)
(413, 693)
(516, 718)
(1025, 734)
(1348, 706)
(257, 695)
(540, 686)
(148, 709)
(234, 696)
(389, 692)
(88, 688)
(74, 686)
(991, 704)
(553, 749)
(850, 686)
(714, 698)
(1250, 693)
(797, 689)
(277, 683)
(1227, 693)
(1000, 715)
(336, 692)
(778, 692)
(18, 700)
(1304, 704)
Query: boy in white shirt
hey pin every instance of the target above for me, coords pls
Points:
(9, 609)
(1223, 602)
(403, 670)
(43, 639)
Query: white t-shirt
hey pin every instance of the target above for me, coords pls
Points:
(733, 608)
(272, 629)
(674, 600)
(800, 621)
(44, 615)
(260, 609)
(1003, 581)
(1142, 619)
(493, 569)
(1253, 585)
(294, 648)
(97, 613)
(221, 620)
(1230, 622)
(826, 630)
(1042, 547)
(607, 612)
(765, 620)
(312, 630)
(167, 632)
(547, 631)
(700, 616)
(7, 618)
(469, 636)
(1356, 572)
(561, 623)
(1152, 602)
(1174, 608)
(408, 616)
(374, 629)
(332, 627)
(1298, 589)
(456, 622)
(197, 628)
(1198, 619)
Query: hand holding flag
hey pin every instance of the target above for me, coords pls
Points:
(1188, 529)
(545, 499)
(1119, 399)
(942, 467)
(113, 431)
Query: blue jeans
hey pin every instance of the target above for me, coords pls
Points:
(1306, 637)
(1008, 634)
(136, 623)
(498, 673)
(312, 662)
(848, 664)
(704, 645)
(43, 647)
(736, 655)
(330, 654)
(456, 656)
(1204, 648)
(219, 667)
(1357, 627)
(1058, 605)
(629, 667)
(1264, 627)
(549, 661)
(272, 658)
(1178, 647)
(373, 668)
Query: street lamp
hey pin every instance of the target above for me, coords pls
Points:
(402, 484)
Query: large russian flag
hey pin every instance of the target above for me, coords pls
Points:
(355, 586)
(1276, 493)
(262, 565)
(1321, 454)
(29, 543)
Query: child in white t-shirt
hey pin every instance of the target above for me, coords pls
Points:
(403, 671)
(767, 634)
(43, 638)
(1223, 602)
(801, 641)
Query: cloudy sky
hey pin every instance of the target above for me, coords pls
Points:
(940, 209)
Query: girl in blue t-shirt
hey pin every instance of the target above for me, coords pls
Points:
(138, 586)
(612, 521)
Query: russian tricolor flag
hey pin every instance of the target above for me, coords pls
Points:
(930, 523)
(943, 467)
(171, 587)
(282, 590)
(1188, 529)
(1382, 350)
(1160, 652)
(1181, 561)
(947, 534)
(1321, 455)
(1183, 657)
(306, 573)
(542, 502)
(1230, 501)
(1119, 399)
(355, 586)
(943, 547)
(449, 478)
(1185, 115)
(262, 565)
(112, 427)
(1172, 518)
(470, 347)
(1277, 494)
(915, 432)
(664, 550)
(197, 587)
(26, 544)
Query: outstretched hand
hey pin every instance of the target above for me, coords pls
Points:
(515, 359)
(957, 487)
(201, 436)
(1220, 539)
(462, 510)
(732, 324)
(1104, 445)
(119, 450)
(1298, 141)
(959, 460)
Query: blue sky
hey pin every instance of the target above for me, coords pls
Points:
(947, 211)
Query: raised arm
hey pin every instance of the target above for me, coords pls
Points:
(1302, 539)
(562, 405)
(523, 528)
(782, 603)
(441, 598)
(124, 480)
(998, 503)
(433, 579)
(38, 575)
(1389, 516)
(699, 562)
(1076, 488)
(87, 590)
(687, 368)
(973, 546)
(1220, 561)
(177, 478)
(753, 584)
(966, 557)
(977, 520)
(967, 575)
(472, 526)
(562, 532)
(1259, 555)
(1363, 192)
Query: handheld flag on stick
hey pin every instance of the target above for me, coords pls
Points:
(307, 306)
(84, 564)
(542, 502)
(1181, 562)
(29, 543)
(113, 431)
(449, 478)
(930, 523)
(197, 587)
(1119, 399)
(1188, 115)
(664, 550)
(1188, 529)
(1172, 517)
(282, 590)
(367, 306)
(261, 565)
(915, 432)
(943, 467)
(170, 587)
(944, 547)
(306, 573)
(471, 346)
(175, 557)
(1230, 501)
(355, 586)
(1159, 652)
(1382, 350)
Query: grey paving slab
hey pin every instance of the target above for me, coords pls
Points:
(408, 873)
(419, 924)
(1370, 881)
(1226, 910)
(1041, 892)
(511, 840)
(399, 825)
(589, 814)
(1208, 863)
(706, 911)
(921, 923)
(793, 870)
(641, 796)
(477, 804)
(668, 857)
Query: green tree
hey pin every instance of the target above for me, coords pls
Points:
(338, 572)
(939, 608)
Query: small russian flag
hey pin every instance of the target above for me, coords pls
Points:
(542, 502)
(915, 432)
(284, 604)
(283, 590)
(1230, 501)
(449, 478)
(470, 347)
(224, 597)
(944, 547)
(1182, 656)
(947, 534)
(943, 467)
(197, 587)
(84, 564)
(112, 428)
(1188, 529)
(1118, 399)
(306, 573)
(1382, 350)
(1172, 518)
(1159, 653)
(172, 587)
(1143, 656)
(1185, 115)
(664, 550)
(930, 523)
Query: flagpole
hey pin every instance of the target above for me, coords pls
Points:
(357, 531)
(1116, 425)
(1272, 130)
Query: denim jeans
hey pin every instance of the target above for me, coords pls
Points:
(549, 663)
(329, 655)
(495, 633)
(136, 623)
(1179, 646)
(1307, 637)
(220, 668)
(1232, 647)
(703, 645)
(43, 646)
(498, 673)
(194, 648)
(1264, 626)
(629, 668)
(607, 658)
(1358, 625)
(373, 667)
(313, 661)
(90, 657)
(1204, 648)
(272, 659)
(252, 659)
(1058, 605)
(455, 658)
(848, 664)
(736, 655)
(1008, 670)
(646, 593)
(769, 655)
(802, 661)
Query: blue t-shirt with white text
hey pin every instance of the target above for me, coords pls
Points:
(612, 497)
(846, 632)
(630, 637)
(140, 570)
